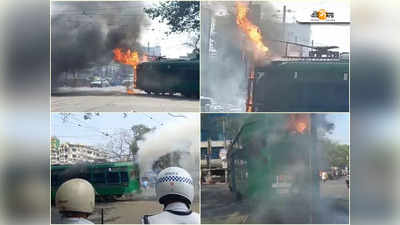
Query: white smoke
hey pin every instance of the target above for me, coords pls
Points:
(180, 135)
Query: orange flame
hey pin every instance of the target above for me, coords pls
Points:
(299, 123)
(129, 58)
(251, 30)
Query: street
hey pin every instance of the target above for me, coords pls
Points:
(115, 99)
(121, 212)
(220, 206)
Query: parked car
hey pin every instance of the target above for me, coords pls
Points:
(100, 83)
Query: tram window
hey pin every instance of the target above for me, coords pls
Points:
(99, 178)
(124, 177)
(113, 178)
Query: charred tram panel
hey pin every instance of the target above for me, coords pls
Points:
(302, 85)
(169, 76)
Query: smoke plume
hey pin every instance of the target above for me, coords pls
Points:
(84, 34)
(178, 137)
(227, 52)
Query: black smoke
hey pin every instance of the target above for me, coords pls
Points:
(83, 34)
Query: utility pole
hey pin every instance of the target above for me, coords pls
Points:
(284, 29)
(148, 48)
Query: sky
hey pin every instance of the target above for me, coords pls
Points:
(172, 46)
(341, 132)
(91, 132)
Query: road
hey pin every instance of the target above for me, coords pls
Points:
(115, 99)
(219, 205)
(121, 212)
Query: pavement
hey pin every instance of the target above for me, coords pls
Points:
(115, 99)
(219, 205)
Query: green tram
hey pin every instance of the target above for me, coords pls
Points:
(170, 76)
(110, 180)
(302, 85)
(269, 155)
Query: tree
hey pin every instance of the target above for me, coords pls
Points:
(180, 16)
(124, 143)
(138, 132)
(336, 154)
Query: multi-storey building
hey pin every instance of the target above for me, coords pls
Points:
(68, 153)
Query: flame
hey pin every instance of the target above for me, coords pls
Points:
(251, 30)
(129, 58)
(299, 123)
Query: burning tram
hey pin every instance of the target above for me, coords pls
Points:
(169, 76)
(302, 85)
(275, 155)
(318, 83)
(110, 180)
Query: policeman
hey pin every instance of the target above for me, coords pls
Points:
(174, 189)
(75, 200)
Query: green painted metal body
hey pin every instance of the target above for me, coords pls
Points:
(169, 76)
(108, 179)
(302, 86)
(263, 150)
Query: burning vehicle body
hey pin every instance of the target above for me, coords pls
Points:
(302, 85)
(274, 162)
(169, 76)
(161, 75)
(273, 65)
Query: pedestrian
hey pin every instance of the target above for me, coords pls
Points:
(324, 176)
(145, 185)
(174, 190)
(75, 201)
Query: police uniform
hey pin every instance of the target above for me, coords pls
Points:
(174, 213)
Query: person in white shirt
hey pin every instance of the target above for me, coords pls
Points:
(174, 189)
(75, 200)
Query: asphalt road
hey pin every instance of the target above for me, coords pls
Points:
(219, 205)
(115, 99)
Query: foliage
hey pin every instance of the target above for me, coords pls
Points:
(138, 132)
(180, 16)
(336, 154)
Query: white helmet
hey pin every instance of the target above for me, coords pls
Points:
(174, 181)
(75, 195)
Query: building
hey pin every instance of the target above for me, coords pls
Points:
(68, 153)
(301, 34)
(214, 166)
(152, 51)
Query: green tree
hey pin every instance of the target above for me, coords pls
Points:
(138, 135)
(336, 154)
(180, 16)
